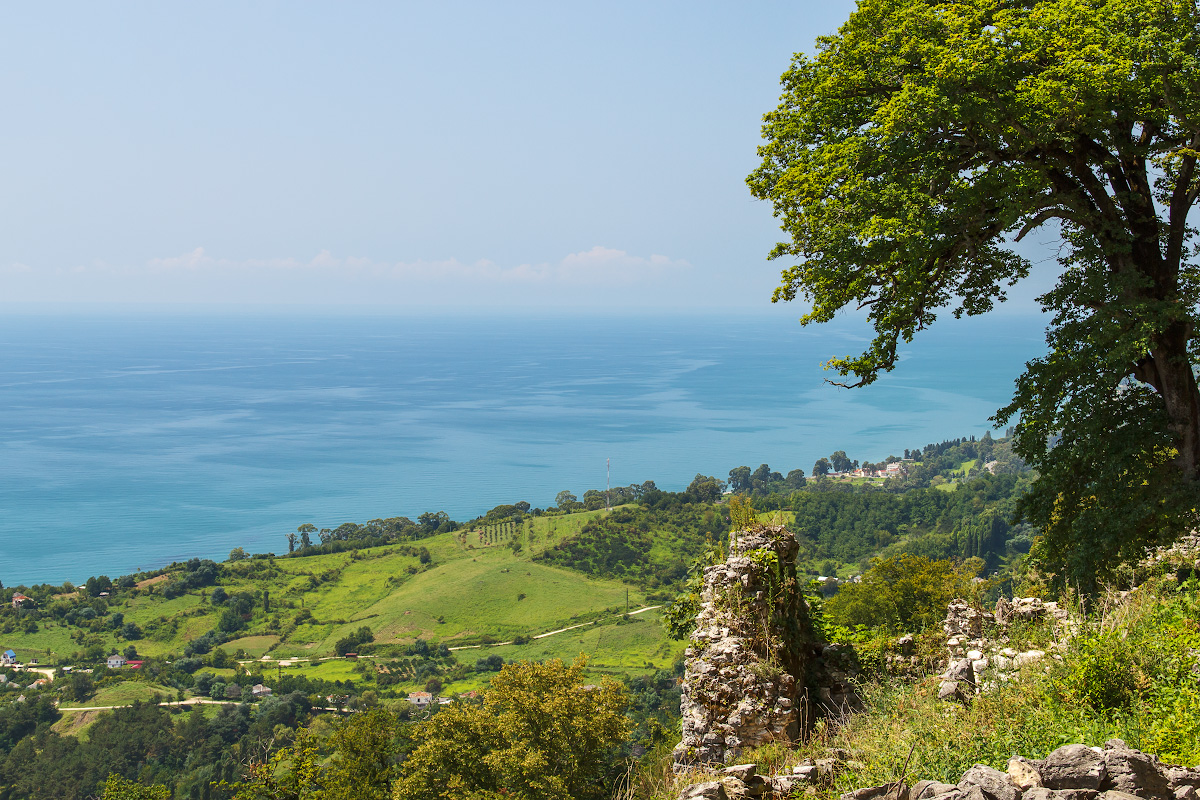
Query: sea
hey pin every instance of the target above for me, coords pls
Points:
(132, 439)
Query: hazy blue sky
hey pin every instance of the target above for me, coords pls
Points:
(411, 155)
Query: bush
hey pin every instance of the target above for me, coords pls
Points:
(1102, 672)
(902, 593)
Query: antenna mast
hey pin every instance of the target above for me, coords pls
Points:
(608, 485)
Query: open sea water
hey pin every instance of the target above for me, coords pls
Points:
(129, 441)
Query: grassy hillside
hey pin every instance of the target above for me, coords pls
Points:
(468, 592)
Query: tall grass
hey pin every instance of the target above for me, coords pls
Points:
(1131, 671)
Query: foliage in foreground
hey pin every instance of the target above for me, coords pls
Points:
(902, 593)
(1132, 671)
(924, 137)
(540, 734)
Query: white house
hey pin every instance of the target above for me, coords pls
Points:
(420, 699)
(261, 691)
(115, 661)
(8, 658)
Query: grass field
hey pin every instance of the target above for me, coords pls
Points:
(470, 590)
(125, 693)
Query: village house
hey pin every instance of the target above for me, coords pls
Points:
(8, 658)
(260, 691)
(115, 661)
(420, 699)
(18, 598)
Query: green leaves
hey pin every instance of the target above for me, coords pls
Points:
(924, 136)
(541, 733)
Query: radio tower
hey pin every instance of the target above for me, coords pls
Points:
(608, 484)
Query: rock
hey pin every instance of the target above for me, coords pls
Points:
(712, 790)
(1179, 777)
(958, 682)
(1028, 657)
(1041, 793)
(1074, 766)
(888, 791)
(994, 784)
(1133, 772)
(1186, 793)
(950, 692)
(906, 645)
(1024, 773)
(927, 790)
(805, 772)
(961, 670)
(743, 772)
(783, 785)
(1113, 794)
(740, 790)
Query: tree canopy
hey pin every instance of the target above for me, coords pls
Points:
(925, 137)
(540, 733)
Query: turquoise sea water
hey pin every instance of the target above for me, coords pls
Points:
(130, 441)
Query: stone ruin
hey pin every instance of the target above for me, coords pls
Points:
(976, 644)
(746, 678)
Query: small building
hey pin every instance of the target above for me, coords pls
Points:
(8, 658)
(115, 661)
(133, 664)
(18, 598)
(420, 699)
(260, 691)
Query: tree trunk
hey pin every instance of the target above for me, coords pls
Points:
(1181, 397)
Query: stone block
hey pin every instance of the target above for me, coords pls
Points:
(1133, 772)
(710, 790)
(1074, 766)
(1024, 773)
(994, 784)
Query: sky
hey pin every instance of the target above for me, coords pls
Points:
(411, 156)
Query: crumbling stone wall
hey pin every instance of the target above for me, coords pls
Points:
(745, 682)
(1072, 772)
(977, 644)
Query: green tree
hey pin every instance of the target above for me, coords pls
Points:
(293, 773)
(924, 137)
(364, 763)
(739, 479)
(904, 593)
(306, 531)
(706, 488)
(119, 788)
(822, 467)
(541, 734)
(840, 461)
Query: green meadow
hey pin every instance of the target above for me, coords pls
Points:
(480, 587)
